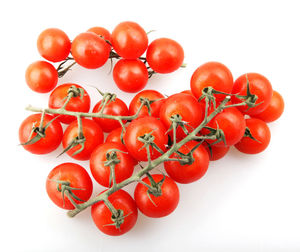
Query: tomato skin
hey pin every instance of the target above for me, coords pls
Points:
(259, 85)
(274, 109)
(53, 134)
(78, 178)
(54, 45)
(151, 95)
(216, 152)
(164, 204)
(101, 31)
(41, 76)
(189, 92)
(102, 216)
(260, 131)
(92, 133)
(188, 173)
(130, 75)
(115, 136)
(58, 97)
(129, 40)
(213, 74)
(116, 108)
(140, 127)
(90, 50)
(101, 173)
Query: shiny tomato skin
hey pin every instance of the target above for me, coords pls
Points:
(102, 216)
(47, 144)
(216, 152)
(77, 176)
(101, 31)
(115, 136)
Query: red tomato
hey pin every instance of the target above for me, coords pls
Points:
(92, 133)
(140, 127)
(54, 45)
(260, 131)
(274, 109)
(190, 172)
(90, 50)
(157, 206)
(187, 92)
(129, 40)
(73, 176)
(100, 31)
(164, 55)
(130, 75)
(48, 143)
(115, 136)
(212, 74)
(151, 95)
(259, 86)
(58, 98)
(187, 107)
(41, 76)
(102, 216)
(215, 152)
(115, 108)
(101, 173)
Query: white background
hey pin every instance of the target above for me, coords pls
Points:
(244, 203)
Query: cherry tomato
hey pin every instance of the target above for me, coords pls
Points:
(72, 179)
(157, 206)
(187, 92)
(260, 131)
(154, 97)
(164, 55)
(215, 152)
(115, 136)
(140, 127)
(90, 50)
(101, 173)
(274, 109)
(188, 173)
(41, 76)
(92, 133)
(52, 135)
(115, 108)
(185, 106)
(130, 75)
(100, 31)
(54, 45)
(77, 103)
(103, 218)
(259, 86)
(212, 74)
(129, 40)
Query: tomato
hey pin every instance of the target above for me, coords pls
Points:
(101, 173)
(164, 55)
(130, 75)
(71, 178)
(54, 45)
(155, 98)
(41, 76)
(77, 103)
(100, 31)
(259, 86)
(129, 40)
(187, 92)
(52, 134)
(185, 106)
(216, 152)
(188, 173)
(260, 131)
(103, 217)
(92, 133)
(115, 108)
(274, 109)
(157, 206)
(90, 50)
(115, 136)
(139, 128)
(212, 74)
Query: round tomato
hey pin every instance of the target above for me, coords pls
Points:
(72, 179)
(161, 205)
(115, 136)
(129, 40)
(164, 55)
(41, 76)
(100, 31)
(54, 45)
(78, 102)
(51, 134)
(189, 92)
(216, 152)
(104, 219)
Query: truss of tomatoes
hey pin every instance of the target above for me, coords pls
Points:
(156, 195)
